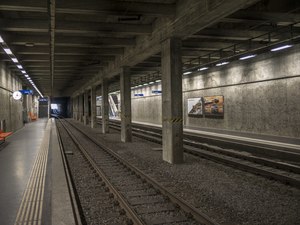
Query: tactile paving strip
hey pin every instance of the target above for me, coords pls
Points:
(30, 211)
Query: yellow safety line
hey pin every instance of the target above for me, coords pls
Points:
(30, 211)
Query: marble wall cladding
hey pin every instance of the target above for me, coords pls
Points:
(10, 109)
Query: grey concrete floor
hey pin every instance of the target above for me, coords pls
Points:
(16, 161)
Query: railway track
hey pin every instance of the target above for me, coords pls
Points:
(139, 198)
(284, 171)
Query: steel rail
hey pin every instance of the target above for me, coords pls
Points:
(185, 206)
(256, 165)
(121, 199)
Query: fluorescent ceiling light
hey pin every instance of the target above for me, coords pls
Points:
(15, 60)
(186, 73)
(8, 51)
(157, 81)
(23, 71)
(145, 84)
(222, 63)
(203, 68)
(140, 85)
(281, 47)
(247, 57)
(20, 67)
(151, 82)
(1, 40)
(28, 78)
(26, 75)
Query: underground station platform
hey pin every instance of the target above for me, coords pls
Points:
(53, 171)
(139, 112)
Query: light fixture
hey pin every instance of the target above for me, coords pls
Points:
(1, 40)
(140, 85)
(222, 64)
(281, 47)
(20, 67)
(151, 82)
(15, 60)
(157, 81)
(186, 73)
(247, 57)
(145, 84)
(8, 51)
(203, 68)
(28, 78)
(23, 71)
(26, 75)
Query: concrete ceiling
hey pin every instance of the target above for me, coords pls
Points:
(66, 46)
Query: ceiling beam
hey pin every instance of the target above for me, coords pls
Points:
(64, 59)
(44, 50)
(77, 28)
(92, 7)
(274, 17)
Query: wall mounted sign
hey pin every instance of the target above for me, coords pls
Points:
(17, 95)
(43, 99)
(156, 91)
(139, 95)
(26, 92)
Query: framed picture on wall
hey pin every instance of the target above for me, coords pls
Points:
(214, 106)
(195, 106)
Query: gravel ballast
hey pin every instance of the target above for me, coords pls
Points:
(227, 195)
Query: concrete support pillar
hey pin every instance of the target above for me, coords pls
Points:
(77, 108)
(125, 89)
(172, 125)
(86, 107)
(105, 107)
(80, 107)
(73, 108)
(93, 107)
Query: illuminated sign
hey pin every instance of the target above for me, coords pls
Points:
(43, 100)
(156, 91)
(26, 92)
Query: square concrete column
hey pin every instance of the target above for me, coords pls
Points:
(73, 107)
(93, 107)
(77, 107)
(172, 125)
(105, 107)
(80, 107)
(86, 107)
(125, 90)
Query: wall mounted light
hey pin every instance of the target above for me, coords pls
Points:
(222, 63)
(281, 48)
(186, 73)
(203, 68)
(247, 57)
